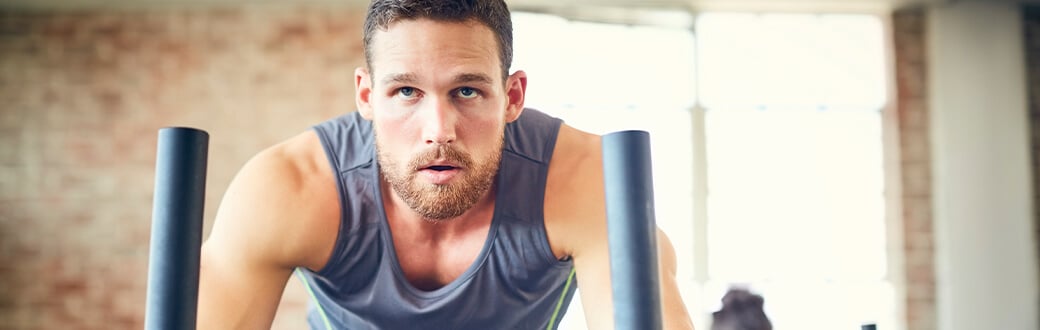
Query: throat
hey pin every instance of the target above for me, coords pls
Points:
(430, 261)
(432, 255)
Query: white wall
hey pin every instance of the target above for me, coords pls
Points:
(986, 265)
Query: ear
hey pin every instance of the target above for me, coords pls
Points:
(516, 88)
(363, 86)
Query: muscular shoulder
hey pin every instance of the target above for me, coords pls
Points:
(282, 206)
(577, 154)
(574, 209)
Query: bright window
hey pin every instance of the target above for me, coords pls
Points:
(602, 78)
(620, 78)
(788, 125)
(795, 204)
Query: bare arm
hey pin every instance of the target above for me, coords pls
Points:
(575, 205)
(594, 280)
(270, 221)
(675, 315)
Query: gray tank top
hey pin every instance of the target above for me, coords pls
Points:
(515, 282)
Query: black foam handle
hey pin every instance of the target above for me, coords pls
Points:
(177, 212)
(631, 230)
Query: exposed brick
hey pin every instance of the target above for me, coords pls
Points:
(84, 94)
(910, 21)
(915, 148)
(917, 179)
(911, 79)
(919, 241)
(909, 29)
(913, 113)
(917, 214)
(921, 292)
(916, 257)
(911, 49)
(921, 314)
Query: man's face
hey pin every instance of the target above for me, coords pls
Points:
(439, 107)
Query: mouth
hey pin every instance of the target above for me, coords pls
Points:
(439, 174)
(439, 165)
(440, 168)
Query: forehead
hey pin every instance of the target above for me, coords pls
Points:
(422, 46)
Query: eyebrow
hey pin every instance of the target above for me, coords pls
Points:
(400, 78)
(411, 79)
(466, 78)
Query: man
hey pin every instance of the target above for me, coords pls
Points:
(441, 204)
(741, 310)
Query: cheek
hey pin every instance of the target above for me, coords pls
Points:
(391, 141)
(394, 128)
(485, 136)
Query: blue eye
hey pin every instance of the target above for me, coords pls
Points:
(467, 93)
(406, 92)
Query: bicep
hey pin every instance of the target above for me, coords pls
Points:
(236, 293)
(258, 237)
(592, 266)
(240, 284)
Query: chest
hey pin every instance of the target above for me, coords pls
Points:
(431, 264)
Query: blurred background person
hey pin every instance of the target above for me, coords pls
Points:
(741, 310)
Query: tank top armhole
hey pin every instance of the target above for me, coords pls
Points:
(549, 148)
(337, 247)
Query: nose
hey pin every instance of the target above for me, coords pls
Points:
(439, 122)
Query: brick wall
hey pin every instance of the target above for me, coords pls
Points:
(909, 34)
(82, 95)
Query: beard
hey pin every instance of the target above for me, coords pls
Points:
(439, 202)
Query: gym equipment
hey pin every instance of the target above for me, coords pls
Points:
(176, 237)
(176, 241)
(631, 230)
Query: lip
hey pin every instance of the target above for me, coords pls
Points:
(439, 177)
(439, 162)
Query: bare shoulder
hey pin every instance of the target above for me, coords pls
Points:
(574, 209)
(282, 206)
(277, 214)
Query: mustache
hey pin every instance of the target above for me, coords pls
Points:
(441, 152)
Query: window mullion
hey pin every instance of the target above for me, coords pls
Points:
(700, 195)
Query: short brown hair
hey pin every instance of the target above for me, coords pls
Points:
(492, 13)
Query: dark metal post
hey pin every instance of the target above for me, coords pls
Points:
(173, 261)
(631, 230)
